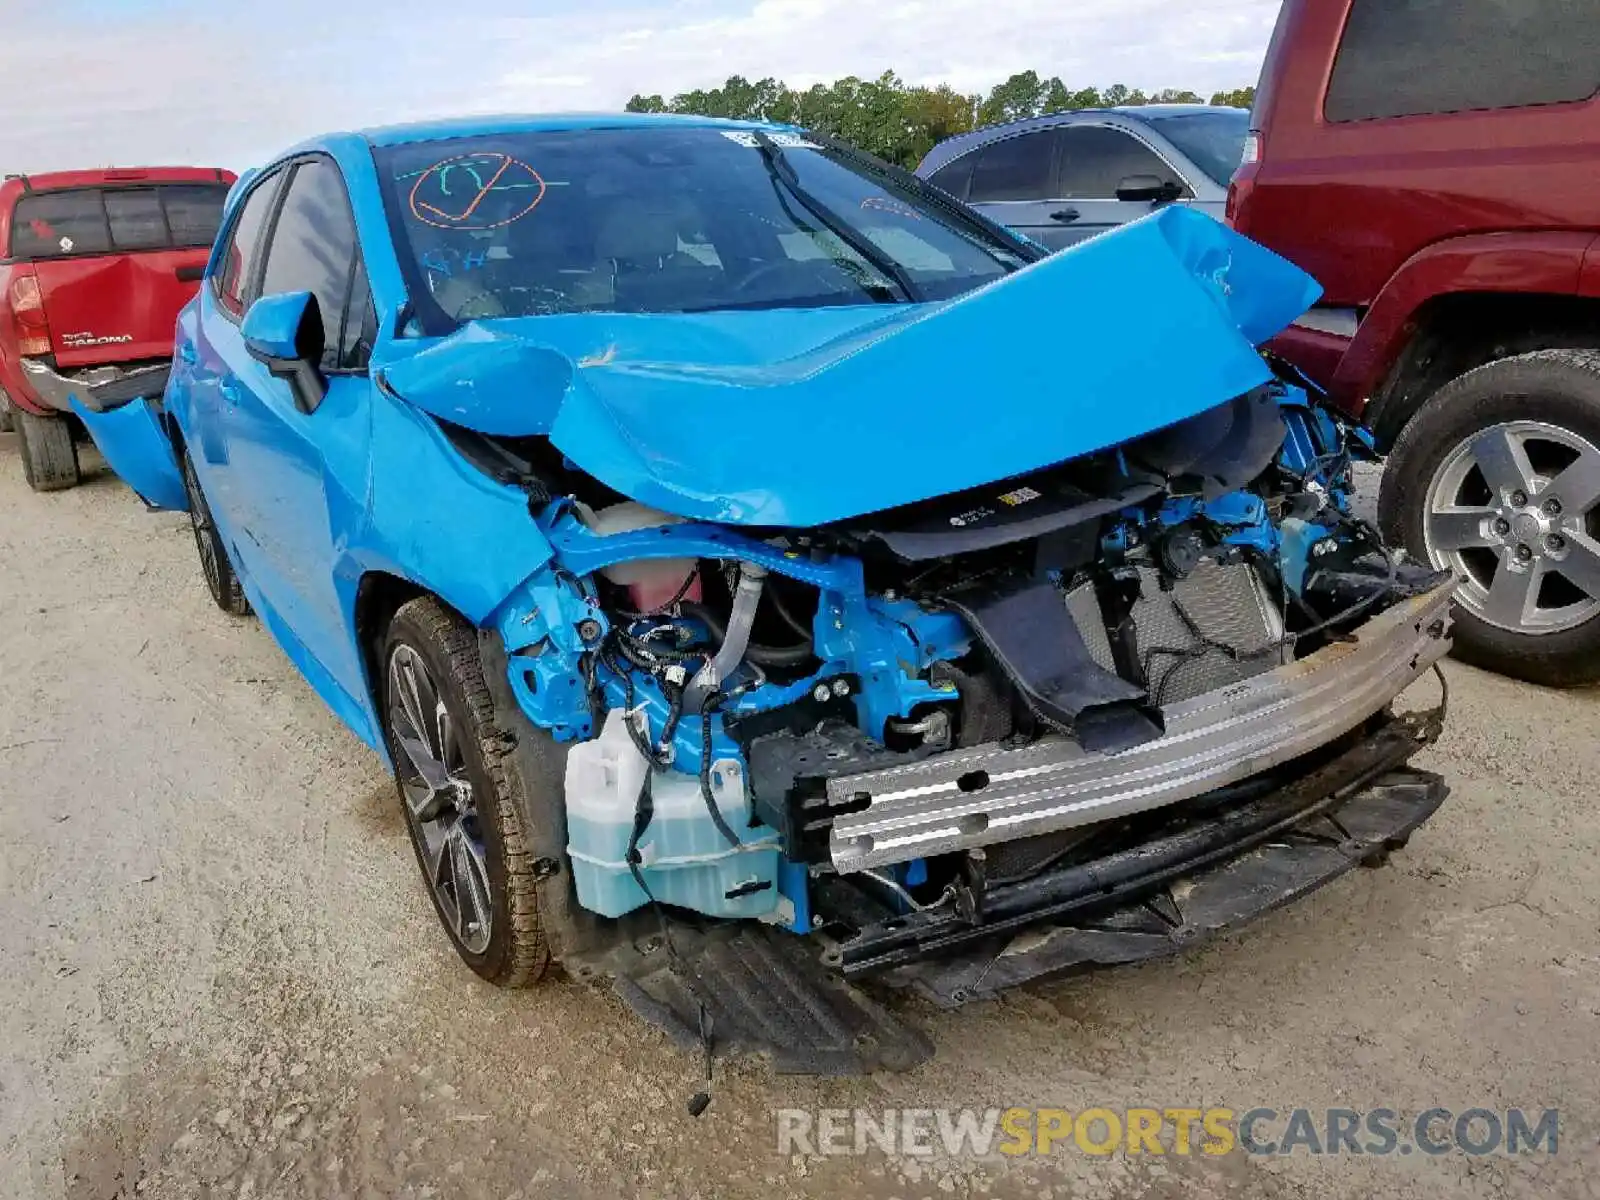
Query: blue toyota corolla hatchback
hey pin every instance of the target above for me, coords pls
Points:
(763, 573)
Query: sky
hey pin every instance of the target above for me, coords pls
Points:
(92, 83)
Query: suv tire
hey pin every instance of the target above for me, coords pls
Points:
(49, 456)
(7, 421)
(467, 827)
(1497, 478)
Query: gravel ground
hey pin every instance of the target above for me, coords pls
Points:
(222, 976)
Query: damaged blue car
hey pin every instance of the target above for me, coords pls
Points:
(772, 582)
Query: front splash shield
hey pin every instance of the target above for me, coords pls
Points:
(135, 446)
(806, 417)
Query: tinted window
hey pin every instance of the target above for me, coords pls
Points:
(1095, 159)
(54, 224)
(1213, 141)
(955, 177)
(669, 219)
(101, 221)
(314, 246)
(239, 260)
(1014, 168)
(136, 219)
(194, 212)
(1409, 57)
(360, 324)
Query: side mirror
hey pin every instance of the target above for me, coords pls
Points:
(284, 334)
(1149, 187)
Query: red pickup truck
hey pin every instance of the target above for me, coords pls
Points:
(1434, 165)
(94, 266)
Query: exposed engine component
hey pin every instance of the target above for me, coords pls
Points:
(735, 638)
(1204, 630)
(1075, 616)
(652, 584)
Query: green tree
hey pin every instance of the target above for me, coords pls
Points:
(1023, 95)
(1244, 97)
(886, 117)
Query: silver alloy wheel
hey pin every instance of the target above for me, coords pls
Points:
(1510, 511)
(439, 799)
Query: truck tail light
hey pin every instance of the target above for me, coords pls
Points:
(1244, 178)
(27, 314)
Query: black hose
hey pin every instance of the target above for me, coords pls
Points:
(706, 792)
(766, 656)
(789, 619)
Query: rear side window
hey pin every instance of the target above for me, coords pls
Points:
(1015, 168)
(111, 220)
(244, 247)
(1096, 159)
(955, 177)
(314, 248)
(1403, 58)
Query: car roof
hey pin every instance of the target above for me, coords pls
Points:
(1130, 114)
(429, 131)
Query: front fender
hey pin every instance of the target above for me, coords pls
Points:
(138, 449)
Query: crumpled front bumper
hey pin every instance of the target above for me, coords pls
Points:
(99, 389)
(973, 798)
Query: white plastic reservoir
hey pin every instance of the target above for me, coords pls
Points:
(684, 859)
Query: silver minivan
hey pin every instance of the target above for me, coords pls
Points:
(1065, 177)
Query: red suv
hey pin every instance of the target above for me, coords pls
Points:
(1435, 164)
(94, 266)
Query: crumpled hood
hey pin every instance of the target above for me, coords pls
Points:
(805, 417)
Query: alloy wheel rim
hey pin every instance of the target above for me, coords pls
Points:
(1511, 512)
(440, 803)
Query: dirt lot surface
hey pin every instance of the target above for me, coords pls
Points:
(220, 975)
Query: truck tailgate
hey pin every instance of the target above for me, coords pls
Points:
(119, 307)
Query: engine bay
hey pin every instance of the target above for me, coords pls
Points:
(731, 695)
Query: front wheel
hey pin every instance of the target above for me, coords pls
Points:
(462, 804)
(1497, 479)
(49, 455)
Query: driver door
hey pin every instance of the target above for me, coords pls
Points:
(297, 476)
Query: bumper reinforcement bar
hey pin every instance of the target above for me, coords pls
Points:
(973, 798)
(1160, 896)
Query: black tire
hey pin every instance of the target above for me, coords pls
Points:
(49, 456)
(7, 421)
(1558, 388)
(516, 953)
(221, 579)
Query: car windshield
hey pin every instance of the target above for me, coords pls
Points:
(1214, 141)
(669, 220)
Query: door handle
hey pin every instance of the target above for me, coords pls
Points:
(1066, 215)
(188, 355)
(230, 393)
(189, 274)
